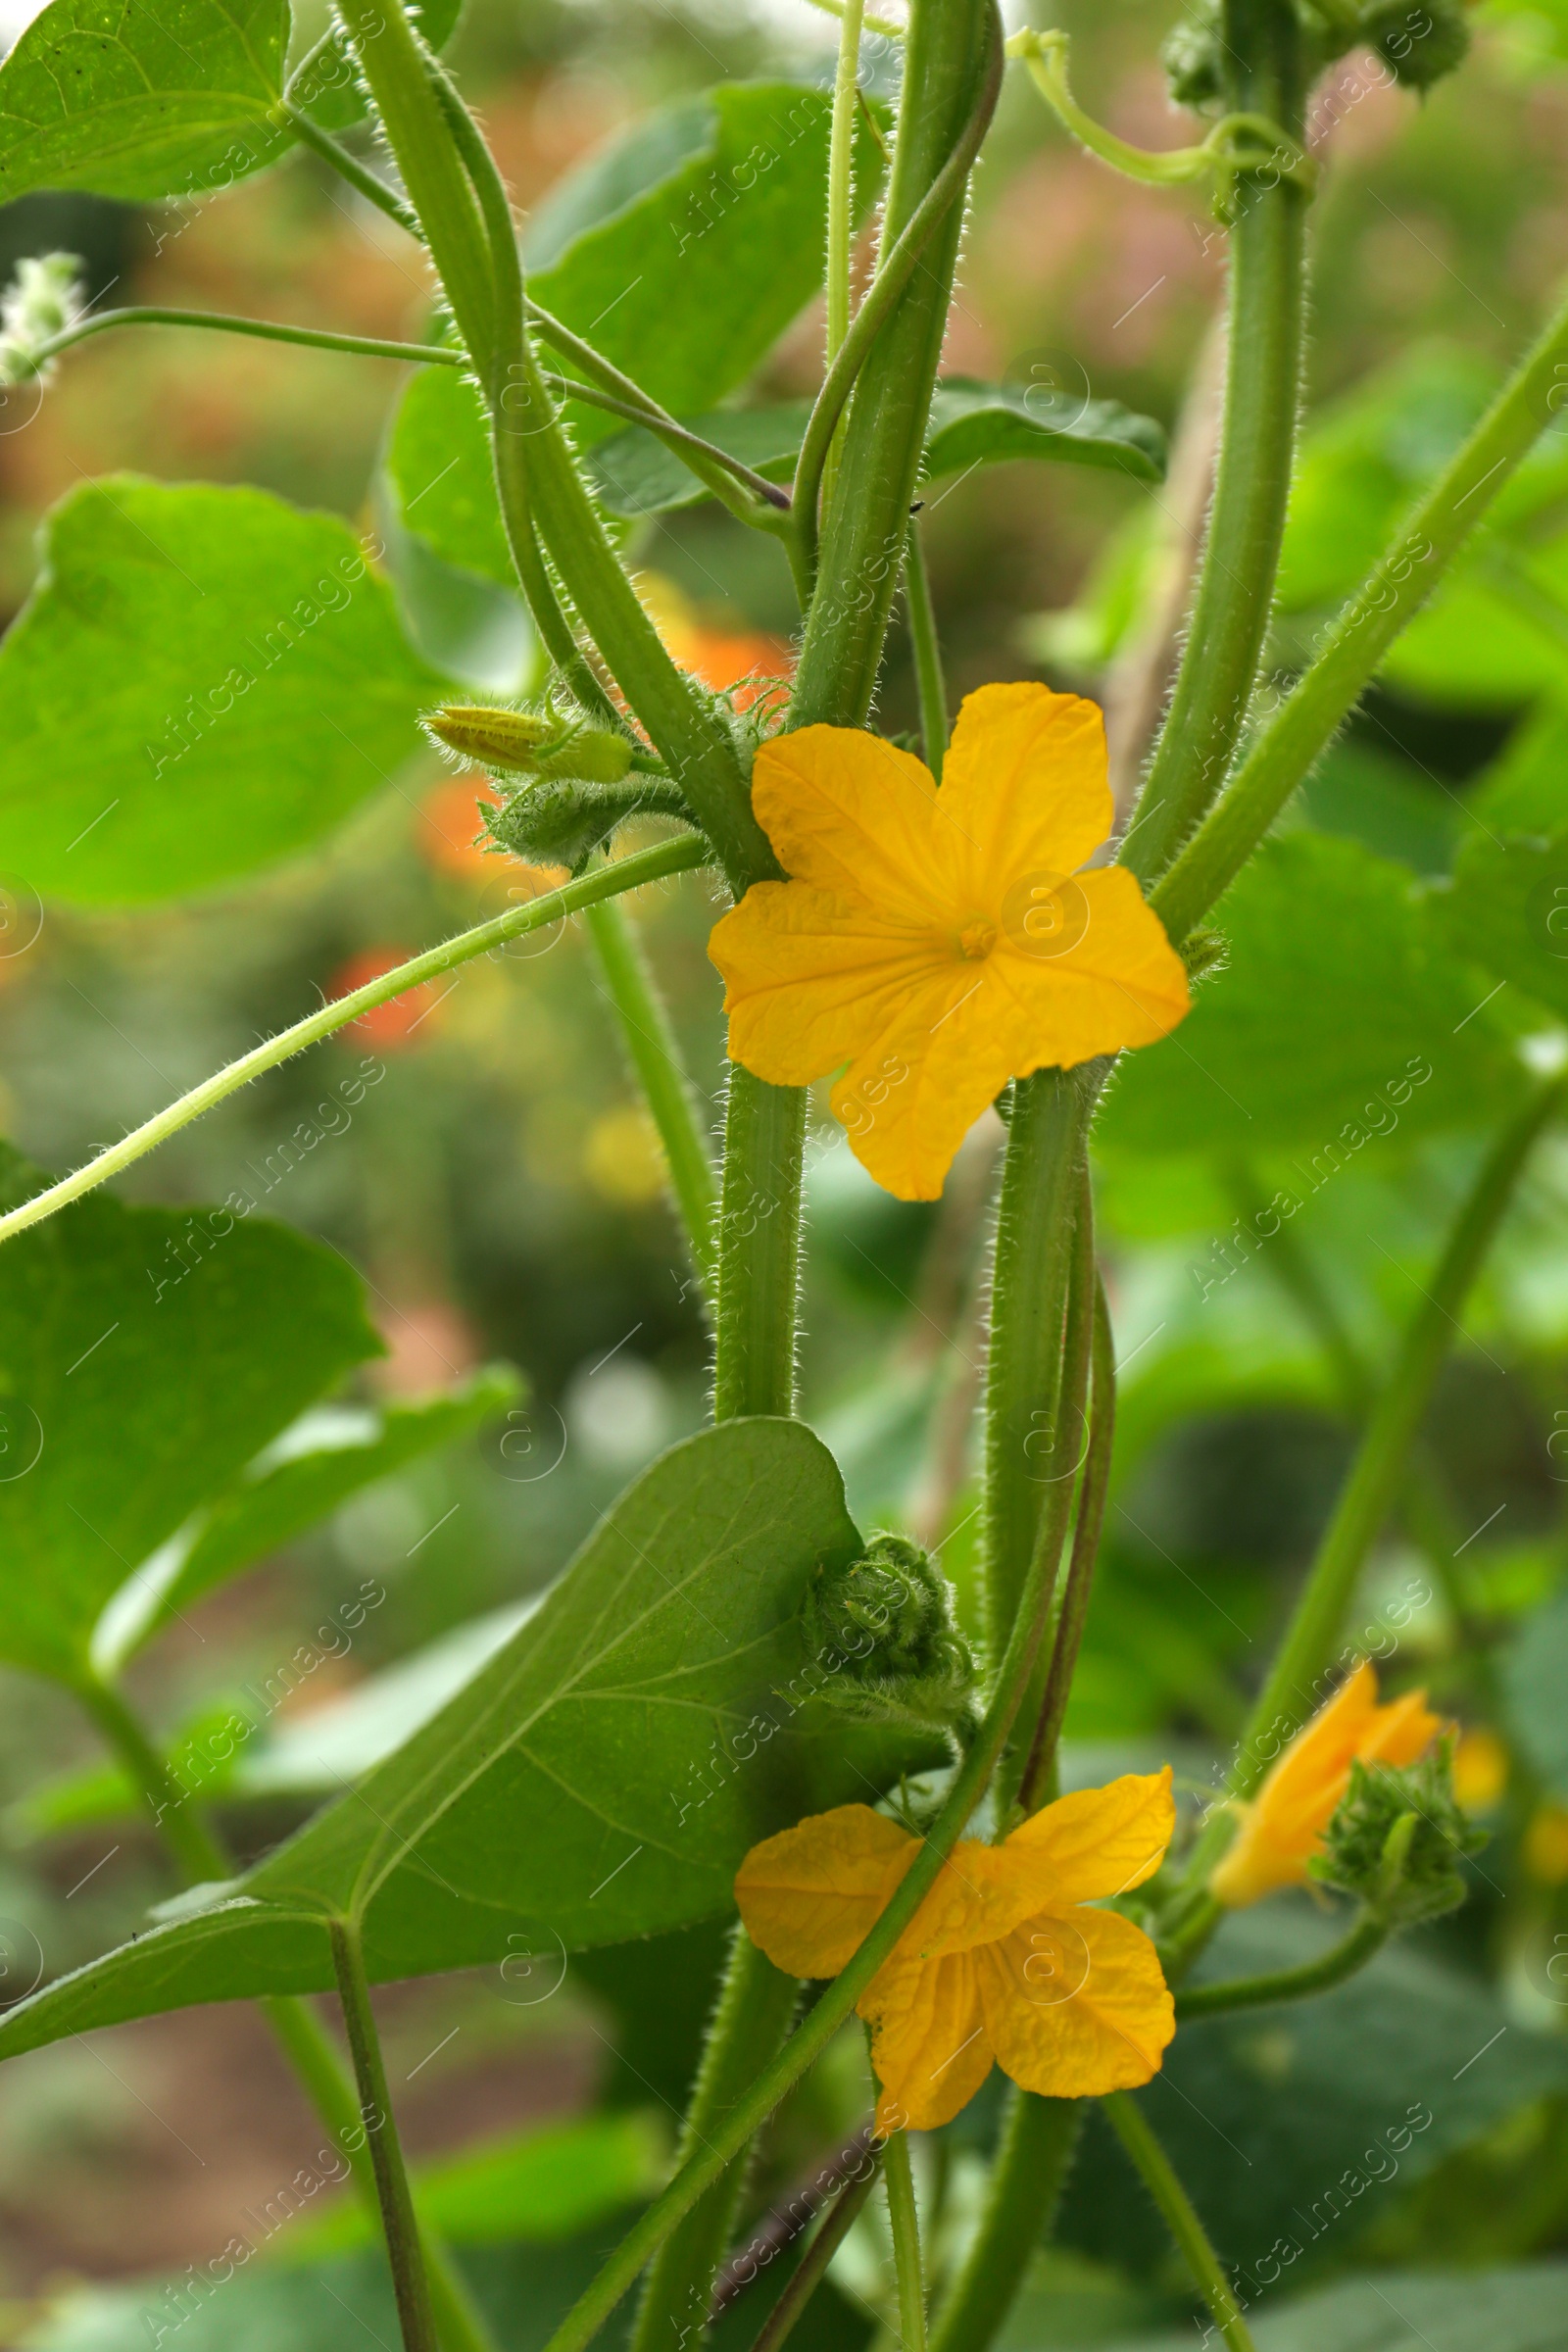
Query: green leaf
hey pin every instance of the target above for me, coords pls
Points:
(301, 1479)
(147, 1356)
(600, 1778)
(1508, 911)
(1524, 2309)
(971, 424)
(1297, 2124)
(142, 102)
(1340, 1019)
(550, 2182)
(682, 252)
(1535, 1676)
(250, 685)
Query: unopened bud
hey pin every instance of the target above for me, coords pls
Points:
(530, 743)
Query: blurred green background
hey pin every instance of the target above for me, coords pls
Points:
(502, 1192)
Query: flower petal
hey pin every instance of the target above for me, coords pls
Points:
(928, 2040)
(1097, 974)
(1098, 1841)
(1024, 786)
(1075, 2004)
(980, 1893)
(917, 1088)
(810, 1896)
(1399, 1732)
(810, 978)
(852, 814)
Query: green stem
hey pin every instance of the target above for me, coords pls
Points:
(1230, 615)
(1181, 2219)
(1289, 1695)
(672, 857)
(759, 1274)
(1031, 2164)
(903, 2221)
(841, 202)
(348, 167)
(1435, 529)
(929, 680)
(401, 2233)
(393, 60)
(300, 2032)
(1039, 1781)
(1042, 1182)
(656, 1057)
(540, 487)
(823, 2020)
(369, 347)
(812, 2269)
(736, 485)
(934, 222)
(755, 2009)
(1366, 1938)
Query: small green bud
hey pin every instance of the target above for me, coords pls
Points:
(1422, 44)
(1204, 950)
(1191, 56)
(559, 820)
(1398, 1839)
(883, 1628)
(531, 743)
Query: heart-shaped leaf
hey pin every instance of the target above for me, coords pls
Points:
(143, 102)
(250, 686)
(147, 1356)
(600, 1778)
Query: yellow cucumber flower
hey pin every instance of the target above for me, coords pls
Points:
(1003, 1963)
(934, 943)
(1282, 1827)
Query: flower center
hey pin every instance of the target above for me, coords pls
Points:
(977, 939)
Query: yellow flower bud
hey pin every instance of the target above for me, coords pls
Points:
(530, 743)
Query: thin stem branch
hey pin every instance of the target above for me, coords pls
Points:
(1040, 1772)
(1352, 1952)
(404, 2251)
(656, 1057)
(1395, 590)
(1132, 2129)
(714, 466)
(197, 1852)
(348, 167)
(673, 857)
(369, 347)
(929, 680)
(892, 274)
(812, 2269)
(903, 2221)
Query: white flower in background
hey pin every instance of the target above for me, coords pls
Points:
(43, 299)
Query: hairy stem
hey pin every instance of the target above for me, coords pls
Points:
(1033, 2156)
(1132, 2129)
(369, 347)
(1039, 1781)
(755, 2006)
(759, 1276)
(656, 1057)
(1229, 621)
(903, 2221)
(1042, 1181)
(928, 646)
(404, 2251)
(1366, 1939)
(348, 167)
(841, 201)
(674, 856)
(953, 59)
(1426, 543)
